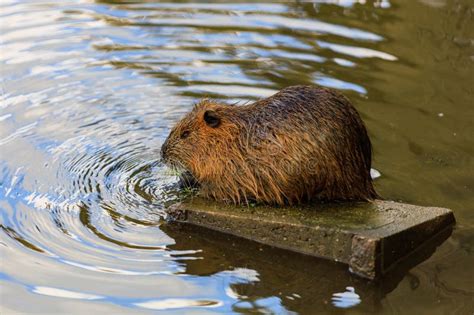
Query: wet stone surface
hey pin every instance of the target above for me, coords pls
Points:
(371, 238)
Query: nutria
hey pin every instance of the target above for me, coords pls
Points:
(303, 143)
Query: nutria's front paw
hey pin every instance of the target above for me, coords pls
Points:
(187, 181)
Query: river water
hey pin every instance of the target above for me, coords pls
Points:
(90, 89)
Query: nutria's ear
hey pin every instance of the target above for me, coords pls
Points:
(212, 119)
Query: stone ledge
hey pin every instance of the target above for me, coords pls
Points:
(371, 238)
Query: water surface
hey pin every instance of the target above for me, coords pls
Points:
(90, 89)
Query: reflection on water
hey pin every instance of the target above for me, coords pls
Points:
(346, 299)
(89, 91)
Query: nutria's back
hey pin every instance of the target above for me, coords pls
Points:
(303, 143)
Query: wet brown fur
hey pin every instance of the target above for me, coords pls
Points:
(303, 143)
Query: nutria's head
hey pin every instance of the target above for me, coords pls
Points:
(198, 138)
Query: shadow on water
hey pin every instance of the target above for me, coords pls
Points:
(300, 283)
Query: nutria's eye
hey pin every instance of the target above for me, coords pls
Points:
(212, 119)
(185, 134)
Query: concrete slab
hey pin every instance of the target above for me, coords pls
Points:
(371, 238)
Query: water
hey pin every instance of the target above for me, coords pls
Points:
(91, 89)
